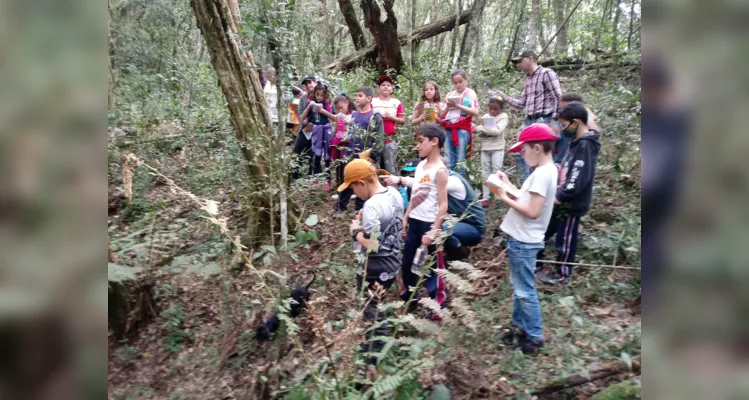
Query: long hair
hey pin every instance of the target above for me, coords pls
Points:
(424, 99)
(326, 94)
(343, 97)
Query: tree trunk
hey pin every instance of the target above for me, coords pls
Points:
(473, 33)
(615, 28)
(541, 36)
(533, 27)
(409, 33)
(240, 83)
(456, 32)
(599, 33)
(384, 33)
(521, 13)
(631, 24)
(355, 30)
(562, 27)
(425, 32)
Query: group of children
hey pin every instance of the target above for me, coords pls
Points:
(358, 136)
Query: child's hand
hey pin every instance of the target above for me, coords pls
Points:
(405, 227)
(451, 103)
(359, 214)
(498, 191)
(556, 201)
(391, 180)
(428, 238)
(503, 177)
(355, 224)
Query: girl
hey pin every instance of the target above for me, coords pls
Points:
(271, 97)
(460, 106)
(492, 142)
(321, 129)
(344, 107)
(430, 98)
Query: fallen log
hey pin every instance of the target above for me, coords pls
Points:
(424, 32)
(596, 373)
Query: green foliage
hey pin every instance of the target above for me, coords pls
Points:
(440, 392)
(173, 319)
(119, 273)
(127, 355)
(624, 390)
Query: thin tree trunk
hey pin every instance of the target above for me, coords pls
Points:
(456, 32)
(600, 27)
(541, 36)
(533, 27)
(409, 32)
(240, 83)
(352, 21)
(473, 32)
(561, 44)
(615, 28)
(521, 13)
(631, 24)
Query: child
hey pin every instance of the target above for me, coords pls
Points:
(563, 143)
(460, 106)
(430, 98)
(424, 218)
(302, 145)
(575, 192)
(271, 98)
(292, 119)
(492, 142)
(383, 212)
(366, 125)
(525, 224)
(392, 113)
(344, 107)
(321, 130)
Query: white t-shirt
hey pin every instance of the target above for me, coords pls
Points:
(271, 97)
(468, 98)
(544, 182)
(426, 211)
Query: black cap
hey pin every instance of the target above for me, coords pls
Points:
(308, 78)
(527, 53)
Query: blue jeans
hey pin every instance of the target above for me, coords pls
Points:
(524, 170)
(462, 234)
(526, 311)
(456, 153)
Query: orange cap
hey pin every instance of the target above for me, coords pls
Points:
(357, 170)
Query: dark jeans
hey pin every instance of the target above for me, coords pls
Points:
(372, 315)
(566, 228)
(562, 145)
(317, 163)
(462, 234)
(434, 283)
(303, 148)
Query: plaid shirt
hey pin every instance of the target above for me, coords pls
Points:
(541, 93)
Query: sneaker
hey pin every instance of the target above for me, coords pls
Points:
(334, 197)
(508, 335)
(353, 196)
(497, 237)
(552, 278)
(530, 346)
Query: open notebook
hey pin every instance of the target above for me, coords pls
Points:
(494, 180)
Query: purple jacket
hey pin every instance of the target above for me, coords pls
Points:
(321, 135)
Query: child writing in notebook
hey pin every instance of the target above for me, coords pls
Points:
(460, 106)
(321, 130)
(344, 107)
(428, 109)
(392, 114)
(491, 141)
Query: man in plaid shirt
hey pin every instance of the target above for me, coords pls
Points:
(540, 97)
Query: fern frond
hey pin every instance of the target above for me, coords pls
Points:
(387, 384)
(120, 273)
(465, 314)
(435, 307)
(393, 305)
(291, 327)
(422, 325)
(455, 280)
(472, 272)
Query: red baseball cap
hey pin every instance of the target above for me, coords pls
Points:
(533, 133)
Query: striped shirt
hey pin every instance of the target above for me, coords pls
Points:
(541, 93)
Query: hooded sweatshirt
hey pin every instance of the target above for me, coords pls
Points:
(577, 173)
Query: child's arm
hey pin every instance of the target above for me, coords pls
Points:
(416, 116)
(499, 130)
(441, 180)
(531, 210)
(306, 111)
(328, 114)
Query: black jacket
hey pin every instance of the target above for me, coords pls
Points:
(578, 170)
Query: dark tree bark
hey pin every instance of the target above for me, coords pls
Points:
(473, 33)
(562, 27)
(384, 33)
(615, 28)
(456, 32)
(513, 44)
(425, 32)
(352, 21)
(533, 28)
(240, 83)
(631, 24)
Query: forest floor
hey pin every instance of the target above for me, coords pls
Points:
(202, 343)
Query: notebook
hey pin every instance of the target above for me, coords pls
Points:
(490, 122)
(494, 180)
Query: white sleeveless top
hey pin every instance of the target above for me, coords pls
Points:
(426, 211)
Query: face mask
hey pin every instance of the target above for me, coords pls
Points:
(570, 129)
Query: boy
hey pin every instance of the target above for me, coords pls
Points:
(424, 217)
(367, 124)
(525, 224)
(382, 213)
(575, 191)
(392, 113)
(492, 142)
(563, 143)
(292, 119)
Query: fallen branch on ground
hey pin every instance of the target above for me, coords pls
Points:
(596, 373)
(588, 265)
